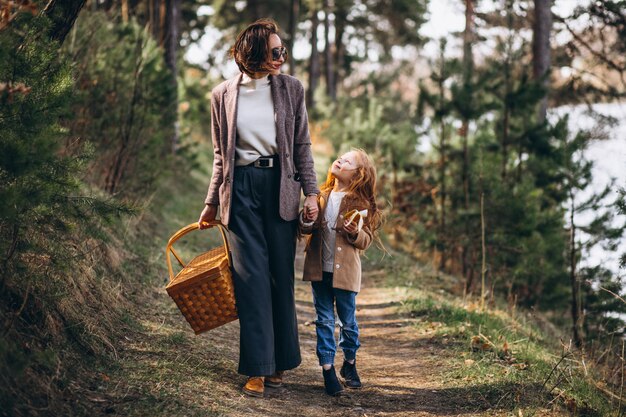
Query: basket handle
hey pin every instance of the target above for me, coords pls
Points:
(182, 232)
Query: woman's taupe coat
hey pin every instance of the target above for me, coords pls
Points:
(292, 138)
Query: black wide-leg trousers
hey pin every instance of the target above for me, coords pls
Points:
(263, 250)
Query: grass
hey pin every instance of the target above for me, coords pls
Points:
(65, 344)
(509, 356)
(163, 368)
(160, 368)
(510, 361)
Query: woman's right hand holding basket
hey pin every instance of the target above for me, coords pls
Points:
(208, 215)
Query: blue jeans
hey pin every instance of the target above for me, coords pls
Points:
(324, 299)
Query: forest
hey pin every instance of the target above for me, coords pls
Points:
(489, 190)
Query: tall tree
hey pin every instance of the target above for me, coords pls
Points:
(374, 25)
(49, 219)
(597, 32)
(542, 28)
(257, 8)
(441, 106)
(63, 14)
(172, 44)
(508, 86)
(592, 222)
(576, 309)
(329, 57)
(341, 16)
(314, 60)
(441, 114)
(294, 14)
(468, 69)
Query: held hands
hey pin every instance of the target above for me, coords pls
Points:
(207, 215)
(310, 208)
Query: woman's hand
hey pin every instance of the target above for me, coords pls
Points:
(207, 215)
(310, 208)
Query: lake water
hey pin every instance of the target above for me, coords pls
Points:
(609, 158)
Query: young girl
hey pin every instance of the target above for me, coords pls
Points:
(332, 262)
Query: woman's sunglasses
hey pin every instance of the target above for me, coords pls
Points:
(279, 52)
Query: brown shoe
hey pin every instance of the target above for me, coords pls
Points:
(254, 386)
(274, 381)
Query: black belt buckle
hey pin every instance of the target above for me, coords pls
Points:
(264, 162)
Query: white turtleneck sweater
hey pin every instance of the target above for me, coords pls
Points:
(256, 127)
(329, 235)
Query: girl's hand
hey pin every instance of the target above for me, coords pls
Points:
(310, 208)
(351, 228)
(308, 217)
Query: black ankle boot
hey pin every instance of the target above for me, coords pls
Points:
(331, 383)
(350, 375)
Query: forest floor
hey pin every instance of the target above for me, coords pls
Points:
(163, 369)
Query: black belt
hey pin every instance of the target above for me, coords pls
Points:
(265, 162)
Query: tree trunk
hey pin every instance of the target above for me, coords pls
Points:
(483, 243)
(329, 70)
(505, 135)
(340, 50)
(154, 7)
(442, 165)
(294, 12)
(442, 196)
(150, 14)
(171, 50)
(576, 319)
(63, 15)
(468, 64)
(163, 6)
(314, 63)
(124, 10)
(115, 171)
(254, 9)
(542, 27)
(468, 69)
(483, 264)
(504, 140)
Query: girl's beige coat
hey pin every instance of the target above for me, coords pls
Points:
(347, 265)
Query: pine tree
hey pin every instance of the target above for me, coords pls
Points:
(47, 215)
(587, 282)
(437, 98)
(124, 98)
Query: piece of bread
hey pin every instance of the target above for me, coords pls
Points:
(357, 217)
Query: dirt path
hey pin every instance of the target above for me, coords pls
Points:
(165, 370)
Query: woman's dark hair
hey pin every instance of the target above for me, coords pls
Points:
(251, 49)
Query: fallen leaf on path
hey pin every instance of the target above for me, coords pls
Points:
(98, 399)
(478, 343)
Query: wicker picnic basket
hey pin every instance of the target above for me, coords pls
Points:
(203, 289)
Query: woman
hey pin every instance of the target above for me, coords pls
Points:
(262, 160)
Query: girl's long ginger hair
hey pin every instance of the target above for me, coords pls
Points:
(362, 189)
